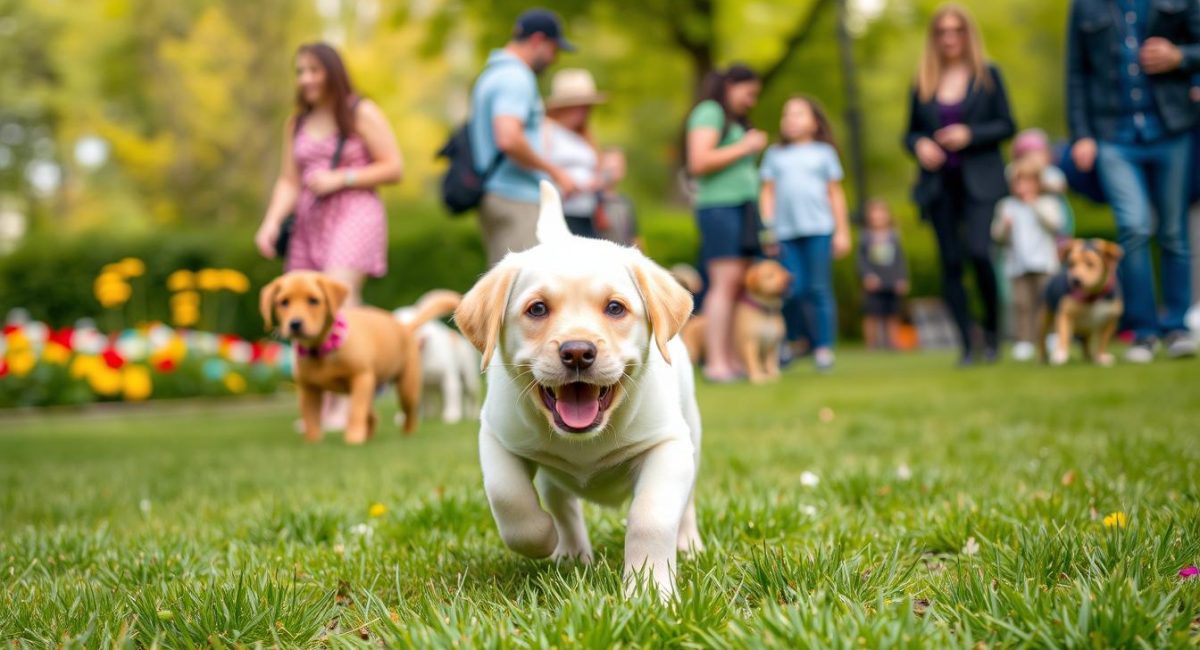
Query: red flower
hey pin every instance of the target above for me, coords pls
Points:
(112, 359)
(166, 365)
(1188, 572)
(3, 367)
(256, 351)
(62, 337)
(9, 329)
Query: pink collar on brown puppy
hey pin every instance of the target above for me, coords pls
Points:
(333, 341)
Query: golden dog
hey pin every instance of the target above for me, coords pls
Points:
(1084, 299)
(350, 350)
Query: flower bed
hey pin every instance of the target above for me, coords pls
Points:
(40, 366)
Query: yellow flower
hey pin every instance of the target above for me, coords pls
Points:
(111, 289)
(21, 362)
(208, 280)
(181, 280)
(84, 365)
(235, 383)
(56, 353)
(1117, 519)
(131, 267)
(377, 510)
(17, 341)
(235, 281)
(104, 380)
(136, 380)
(185, 308)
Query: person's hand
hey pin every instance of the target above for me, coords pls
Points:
(955, 137)
(1083, 154)
(841, 244)
(563, 181)
(754, 141)
(902, 287)
(265, 238)
(930, 155)
(871, 282)
(1158, 55)
(324, 181)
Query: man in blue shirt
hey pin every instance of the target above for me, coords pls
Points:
(506, 133)
(1131, 116)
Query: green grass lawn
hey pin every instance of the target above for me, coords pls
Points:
(952, 508)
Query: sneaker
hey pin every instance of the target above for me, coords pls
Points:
(1180, 345)
(1023, 351)
(823, 358)
(1142, 351)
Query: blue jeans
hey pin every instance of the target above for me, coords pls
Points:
(1136, 178)
(810, 308)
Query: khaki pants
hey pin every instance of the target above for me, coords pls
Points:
(507, 225)
(1027, 293)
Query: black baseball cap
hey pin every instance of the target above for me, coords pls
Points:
(542, 21)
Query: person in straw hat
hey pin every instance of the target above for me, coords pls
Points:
(569, 144)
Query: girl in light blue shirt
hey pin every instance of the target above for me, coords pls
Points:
(804, 205)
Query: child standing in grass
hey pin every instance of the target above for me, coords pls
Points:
(804, 206)
(1026, 226)
(883, 272)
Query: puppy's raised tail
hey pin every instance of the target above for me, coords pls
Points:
(687, 276)
(434, 304)
(551, 224)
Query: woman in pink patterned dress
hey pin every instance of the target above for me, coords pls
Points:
(340, 228)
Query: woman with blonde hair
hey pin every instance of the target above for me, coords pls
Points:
(958, 116)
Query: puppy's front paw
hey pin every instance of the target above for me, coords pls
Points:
(572, 552)
(1059, 357)
(1105, 360)
(690, 543)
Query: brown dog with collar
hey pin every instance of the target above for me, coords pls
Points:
(758, 327)
(1083, 300)
(348, 350)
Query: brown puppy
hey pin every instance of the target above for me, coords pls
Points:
(758, 328)
(1083, 299)
(350, 350)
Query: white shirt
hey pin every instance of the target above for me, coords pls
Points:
(576, 156)
(1029, 238)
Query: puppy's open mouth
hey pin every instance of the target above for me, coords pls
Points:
(577, 407)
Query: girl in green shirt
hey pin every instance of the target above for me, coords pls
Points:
(721, 150)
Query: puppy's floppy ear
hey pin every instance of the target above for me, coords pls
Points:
(335, 293)
(668, 305)
(1111, 252)
(1065, 247)
(481, 313)
(266, 302)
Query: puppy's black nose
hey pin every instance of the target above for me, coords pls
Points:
(296, 326)
(577, 355)
(1076, 283)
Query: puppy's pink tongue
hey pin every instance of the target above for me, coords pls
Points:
(577, 404)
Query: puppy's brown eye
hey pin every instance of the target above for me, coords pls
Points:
(537, 310)
(284, 302)
(313, 301)
(614, 309)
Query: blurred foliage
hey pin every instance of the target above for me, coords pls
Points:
(191, 97)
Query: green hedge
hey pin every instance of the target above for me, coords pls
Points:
(52, 276)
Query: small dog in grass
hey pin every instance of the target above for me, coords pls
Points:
(590, 394)
(1084, 300)
(349, 350)
(758, 327)
(449, 368)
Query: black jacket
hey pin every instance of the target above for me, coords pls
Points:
(1093, 60)
(987, 113)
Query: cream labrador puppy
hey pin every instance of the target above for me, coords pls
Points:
(590, 394)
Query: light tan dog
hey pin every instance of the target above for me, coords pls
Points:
(1084, 299)
(758, 328)
(350, 350)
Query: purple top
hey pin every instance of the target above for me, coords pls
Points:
(951, 114)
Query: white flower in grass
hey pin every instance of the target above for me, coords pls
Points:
(362, 530)
(808, 479)
(971, 547)
(809, 510)
(144, 506)
(903, 472)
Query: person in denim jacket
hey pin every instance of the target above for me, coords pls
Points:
(1131, 116)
